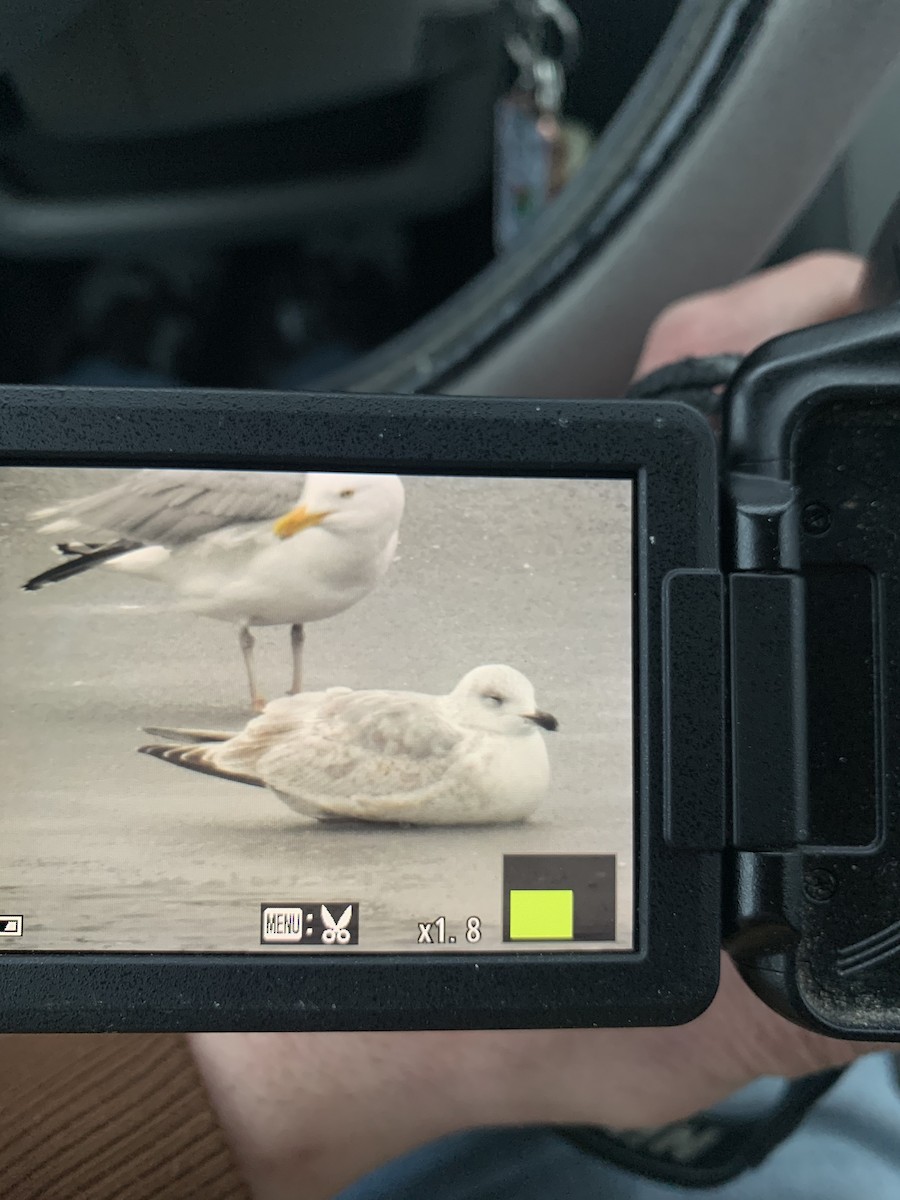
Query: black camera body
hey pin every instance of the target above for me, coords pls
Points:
(812, 447)
(764, 599)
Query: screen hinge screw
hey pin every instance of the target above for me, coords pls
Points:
(819, 885)
(816, 517)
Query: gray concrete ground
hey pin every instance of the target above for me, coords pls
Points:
(105, 849)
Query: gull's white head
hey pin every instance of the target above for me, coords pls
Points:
(498, 699)
(346, 504)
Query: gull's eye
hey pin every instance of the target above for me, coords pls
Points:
(347, 493)
(493, 698)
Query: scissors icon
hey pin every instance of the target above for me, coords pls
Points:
(336, 931)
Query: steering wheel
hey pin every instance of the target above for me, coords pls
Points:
(737, 118)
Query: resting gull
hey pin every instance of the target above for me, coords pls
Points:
(239, 546)
(473, 757)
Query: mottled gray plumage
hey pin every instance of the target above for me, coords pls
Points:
(173, 507)
(471, 757)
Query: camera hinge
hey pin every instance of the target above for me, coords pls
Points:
(768, 718)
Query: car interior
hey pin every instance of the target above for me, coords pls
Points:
(434, 198)
(280, 195)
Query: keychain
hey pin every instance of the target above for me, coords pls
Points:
(535, 152)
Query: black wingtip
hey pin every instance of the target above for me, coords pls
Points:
(154, 751)
(182, 736)
(77, 562)
(192, 759)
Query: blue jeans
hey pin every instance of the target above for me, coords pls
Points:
(849, 1145)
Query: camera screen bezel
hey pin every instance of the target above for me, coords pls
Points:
(667, 450)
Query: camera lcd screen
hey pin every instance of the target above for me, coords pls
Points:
(343, 713)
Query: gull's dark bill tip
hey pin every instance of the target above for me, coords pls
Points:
(545, 720)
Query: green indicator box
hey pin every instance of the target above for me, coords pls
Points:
(541, 915)
(559, 897)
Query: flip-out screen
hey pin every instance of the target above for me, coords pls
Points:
(322, 713)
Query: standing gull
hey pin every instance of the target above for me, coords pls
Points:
(472, 757)
(239, 546)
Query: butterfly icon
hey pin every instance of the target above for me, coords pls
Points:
(336, 931)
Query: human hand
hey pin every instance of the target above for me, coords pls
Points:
(309, 1113)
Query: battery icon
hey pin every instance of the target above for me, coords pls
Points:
(11, 926)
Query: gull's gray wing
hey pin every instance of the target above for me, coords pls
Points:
(329, 747)
(171, 507)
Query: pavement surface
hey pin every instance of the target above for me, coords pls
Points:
(105, 849)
